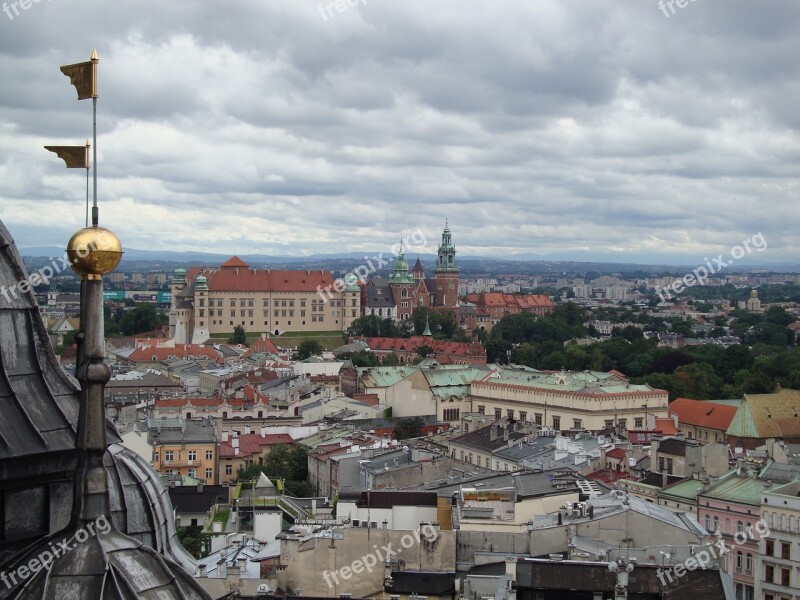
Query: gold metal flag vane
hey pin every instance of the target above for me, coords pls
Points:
(84, 77)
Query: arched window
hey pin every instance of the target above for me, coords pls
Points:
(792, 524)
(716, 523)
(739, 527)
(708, 523)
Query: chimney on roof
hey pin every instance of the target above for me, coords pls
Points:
(224, 436)
(235, 444)
(493, 433)
(236, 449)
(664, 479)
(505, 434)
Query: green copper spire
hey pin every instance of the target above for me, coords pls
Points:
(400, 274)
(446, 260)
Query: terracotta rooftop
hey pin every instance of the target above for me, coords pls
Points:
(702, 413)
(241, 279)
(252, 443)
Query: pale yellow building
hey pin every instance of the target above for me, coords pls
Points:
(184, 447)
(210, 301)
(587, 400)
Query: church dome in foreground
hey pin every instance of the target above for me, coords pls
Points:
(118, 522)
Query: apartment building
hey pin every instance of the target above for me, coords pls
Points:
(184, 447)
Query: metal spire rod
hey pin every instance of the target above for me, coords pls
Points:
(94, 159)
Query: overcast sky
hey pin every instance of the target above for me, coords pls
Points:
(291, 127)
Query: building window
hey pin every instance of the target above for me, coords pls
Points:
(638, 422)
(556, 422)
(209, 474)
(716, 523)
(228, 469)
(192, 455)
(577, 424)
(168, 456)
(770, 548)
(786, 550)
(609, 424)
(708, 523)
(537, 418)
(523, 416)
(192, 473)
(510, 413)
(739, 562)
(748, 564)
(209, 455)
(498, 414)
(786, 576)
(481, 409)
(739, 527)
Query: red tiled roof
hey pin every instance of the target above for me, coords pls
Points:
(616, 453)
(251, 443)
(665, 425)
(150, 353)
(411, 344)
(702, 413)
(257, 280)
(261, 345)
(234, 262)
(513, 300)
(170, 402)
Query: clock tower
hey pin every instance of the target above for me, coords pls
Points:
(446, 272)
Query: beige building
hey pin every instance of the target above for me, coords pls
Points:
(210, 301)
(778, 572)
(588, 400)
(184, 447)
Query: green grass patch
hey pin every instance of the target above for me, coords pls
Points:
(221, 517)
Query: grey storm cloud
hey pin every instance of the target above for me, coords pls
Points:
(299, 126)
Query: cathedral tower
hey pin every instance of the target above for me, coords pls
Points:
(446, 272)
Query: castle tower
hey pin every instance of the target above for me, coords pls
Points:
(418, 272)
(200, 330)
(446, 272)
(402, 286)
(178, 285)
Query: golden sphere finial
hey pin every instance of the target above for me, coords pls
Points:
(93, 252)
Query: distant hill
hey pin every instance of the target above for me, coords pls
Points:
(570, 263)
